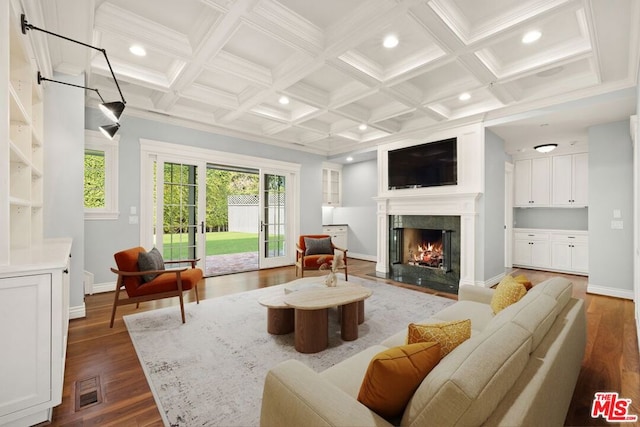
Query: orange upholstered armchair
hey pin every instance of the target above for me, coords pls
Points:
(152, 281)
(313, 250)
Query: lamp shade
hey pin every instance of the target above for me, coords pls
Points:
(545, 148)
(113, 110)
(110, 130)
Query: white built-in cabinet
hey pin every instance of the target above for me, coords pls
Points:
(552, 181)
(34, 319)
(570, 178)
(34, 272)
(554, 250)
(331, 185)
(338, 234)
(532, 180)
(20, 139)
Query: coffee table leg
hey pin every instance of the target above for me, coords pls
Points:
(349, 326)
(279, 321)
(311, 330)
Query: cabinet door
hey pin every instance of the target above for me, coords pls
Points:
(25, 334)
(540, 254)
(580, 257)
(580, 179)
(540, 181)
(562, 181)
(522, 252)
(522, 183)
(561, 255)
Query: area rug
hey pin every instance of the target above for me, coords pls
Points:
(211, 370)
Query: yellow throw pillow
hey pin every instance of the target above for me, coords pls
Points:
(523, 279)
(507, 292)
(448, 334)
(394, 375)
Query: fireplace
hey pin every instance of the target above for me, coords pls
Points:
(427, 248)
(424, 250)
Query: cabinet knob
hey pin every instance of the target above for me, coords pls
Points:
(65, 271)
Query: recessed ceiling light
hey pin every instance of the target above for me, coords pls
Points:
(464, 96)
(390, 41)
(137, 50)
(349, 159)
(283, 100)
(362, 127)
(531, 36)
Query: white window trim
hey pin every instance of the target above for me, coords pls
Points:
(94, 140)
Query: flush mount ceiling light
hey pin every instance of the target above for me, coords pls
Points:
(390, 41)
(283, 100)
(362, 127)
(113, 110)
(137, 50)
(349, 159)
(531, 36)
(545, 148)
(464, 96)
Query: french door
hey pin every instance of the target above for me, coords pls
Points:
(181, 204)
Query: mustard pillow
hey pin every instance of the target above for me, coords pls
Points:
(394, 375)
(523, 279)
(448, 334)
(507, 292)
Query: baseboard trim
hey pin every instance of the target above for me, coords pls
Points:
(491, 281)
(363, 257)
(103, 287)
(609, 292)
(77, 312)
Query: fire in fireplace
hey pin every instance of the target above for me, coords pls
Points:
(425, 248)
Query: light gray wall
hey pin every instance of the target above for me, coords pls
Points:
(492, 260)
(64, 173)
(610, 187)
(551, 218)
(104, 238)
(359, 210)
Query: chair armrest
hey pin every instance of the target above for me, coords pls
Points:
(179, 261)
(141, 273)
(295, 395)
(475, 293)
(335, 248)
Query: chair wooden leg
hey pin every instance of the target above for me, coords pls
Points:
(197, 296)
(115, 304)
(346, 276)
(182, 308)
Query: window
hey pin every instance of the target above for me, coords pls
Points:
(100, 176)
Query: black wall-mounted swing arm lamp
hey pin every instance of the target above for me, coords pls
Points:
(113, 110)
(107, 130)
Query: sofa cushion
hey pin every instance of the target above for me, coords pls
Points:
(507, 292)
(467, 385)
(448, 334)
(480, 314)
(393, 375)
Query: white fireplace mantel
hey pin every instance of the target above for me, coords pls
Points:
(408, 202)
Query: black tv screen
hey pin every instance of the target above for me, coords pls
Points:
(426, 165)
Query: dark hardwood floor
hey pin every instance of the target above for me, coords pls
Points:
(611, 361)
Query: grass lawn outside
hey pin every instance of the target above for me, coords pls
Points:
(218, 243)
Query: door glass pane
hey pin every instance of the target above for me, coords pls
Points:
(274, 216)
(180, 226)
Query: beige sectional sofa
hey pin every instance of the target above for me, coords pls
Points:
(519, 368)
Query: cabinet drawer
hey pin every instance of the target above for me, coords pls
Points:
(576, 238)
(530, 236)
(334, 229)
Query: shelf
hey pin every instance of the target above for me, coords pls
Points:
(18, 202)
(17, 111)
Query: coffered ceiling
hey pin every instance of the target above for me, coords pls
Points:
(225, 64)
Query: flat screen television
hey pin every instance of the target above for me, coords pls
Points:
(426, 165)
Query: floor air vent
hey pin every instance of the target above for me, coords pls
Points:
(88, 393)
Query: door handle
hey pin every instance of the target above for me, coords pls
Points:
(202, 227)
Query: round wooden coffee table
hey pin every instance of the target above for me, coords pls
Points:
(279, 315)
(311, 322)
